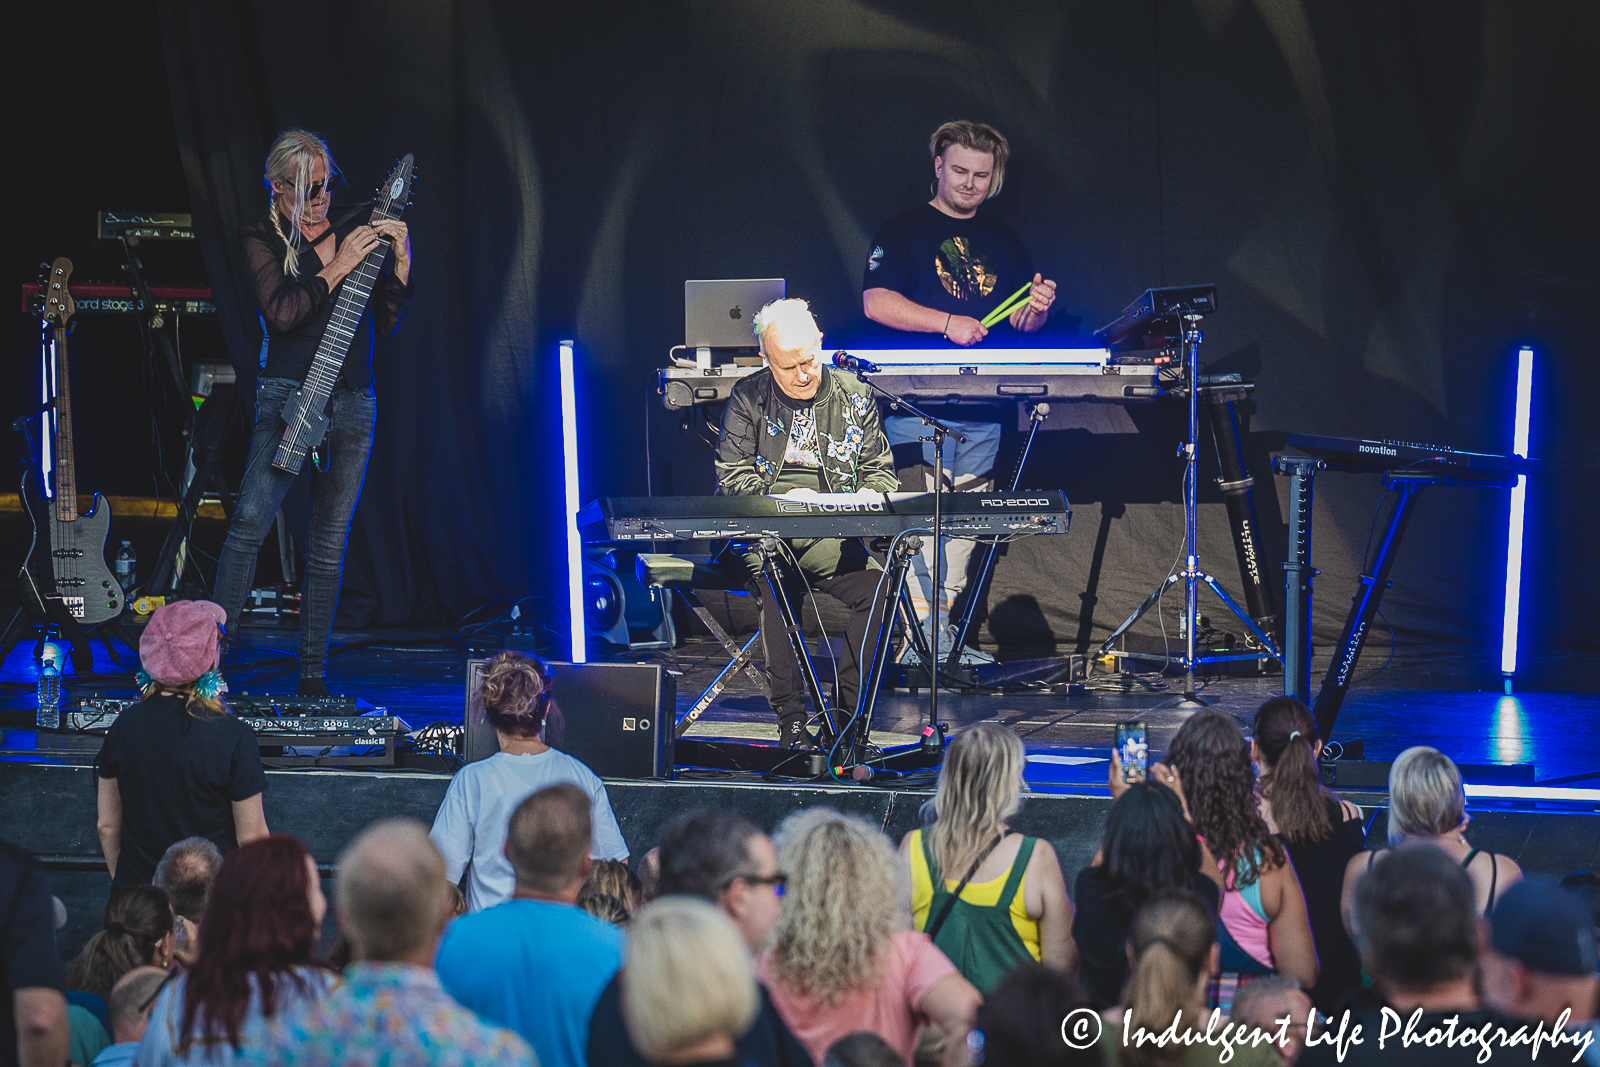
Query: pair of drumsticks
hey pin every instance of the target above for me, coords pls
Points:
(1007, 306)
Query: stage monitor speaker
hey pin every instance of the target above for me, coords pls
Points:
(615, 717)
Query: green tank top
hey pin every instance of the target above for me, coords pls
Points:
(980, 940)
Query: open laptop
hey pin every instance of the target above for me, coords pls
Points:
(717, 314)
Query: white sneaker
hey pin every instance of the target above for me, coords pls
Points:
(969, 656)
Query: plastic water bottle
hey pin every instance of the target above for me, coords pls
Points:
(50, 689)
(126, 563)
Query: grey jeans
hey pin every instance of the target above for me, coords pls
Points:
(333, 503)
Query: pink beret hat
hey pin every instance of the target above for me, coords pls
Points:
(179, 644)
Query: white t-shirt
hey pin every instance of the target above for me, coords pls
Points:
(472, 822)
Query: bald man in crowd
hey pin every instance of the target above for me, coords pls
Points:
(186, 873)
(131, 1000)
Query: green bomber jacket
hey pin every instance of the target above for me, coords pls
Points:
(850, 440)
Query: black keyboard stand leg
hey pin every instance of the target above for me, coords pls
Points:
(858, 732)
(772, 571)
(1298, 575)
(1364, 607)
(917, 637)
(1237, 491)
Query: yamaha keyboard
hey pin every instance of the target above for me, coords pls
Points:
(721, 518)
(961, 375)
(1373, 456)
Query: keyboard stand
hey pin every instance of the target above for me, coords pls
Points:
(684, 575)
(1405, 485)
(771, 557)
(1298, 575)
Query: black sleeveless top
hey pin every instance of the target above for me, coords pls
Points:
(1320, 868)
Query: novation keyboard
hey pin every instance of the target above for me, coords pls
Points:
(117, 300)
(1372, 456)
(960, 375)
(720, 518)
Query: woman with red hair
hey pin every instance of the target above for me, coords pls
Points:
(257, 937)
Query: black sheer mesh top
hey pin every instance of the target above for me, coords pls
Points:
(295, 308)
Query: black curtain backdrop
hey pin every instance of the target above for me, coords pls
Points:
(1389, 196)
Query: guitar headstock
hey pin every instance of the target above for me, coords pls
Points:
(394, 195)
(58, 305)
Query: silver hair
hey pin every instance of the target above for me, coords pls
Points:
(787, 320)
(289, 160)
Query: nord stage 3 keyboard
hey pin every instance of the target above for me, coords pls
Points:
(717, 518)
(1356, 455)
(117, 300)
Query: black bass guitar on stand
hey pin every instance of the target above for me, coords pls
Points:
(305, 413)
(65, 577)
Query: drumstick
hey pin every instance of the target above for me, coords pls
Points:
(1007, 306)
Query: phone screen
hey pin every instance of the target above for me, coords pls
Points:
(1133, 749)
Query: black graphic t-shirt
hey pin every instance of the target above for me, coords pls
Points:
(802, 457)
(959, 266)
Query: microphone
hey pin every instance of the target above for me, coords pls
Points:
(845, 361)
(863, 773)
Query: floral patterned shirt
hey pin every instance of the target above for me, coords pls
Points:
(389, 1015)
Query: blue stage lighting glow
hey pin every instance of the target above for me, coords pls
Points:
(1533, 792)
(1508, 633)
(1510, 731)
(569, 455)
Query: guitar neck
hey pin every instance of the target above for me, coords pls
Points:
(346, 319)
(64, 474)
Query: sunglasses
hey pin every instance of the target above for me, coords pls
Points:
(777, 881)
(330, 183)
(314, 190)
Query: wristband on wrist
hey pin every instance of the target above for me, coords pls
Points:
(945, 333)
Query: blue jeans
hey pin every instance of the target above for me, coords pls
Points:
(333, 503)
(968, 468)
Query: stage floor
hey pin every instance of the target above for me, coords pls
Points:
(418, 674)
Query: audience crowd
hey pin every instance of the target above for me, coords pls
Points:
(1228, 882)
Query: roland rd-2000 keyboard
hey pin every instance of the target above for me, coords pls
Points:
(720, 518)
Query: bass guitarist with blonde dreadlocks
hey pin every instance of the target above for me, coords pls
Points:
(294, 261)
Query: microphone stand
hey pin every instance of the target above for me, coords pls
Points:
(933, 736)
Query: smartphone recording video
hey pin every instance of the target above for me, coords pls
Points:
(1133, 749)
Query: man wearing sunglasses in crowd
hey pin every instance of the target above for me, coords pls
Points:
(718, 856)
(294, 261)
